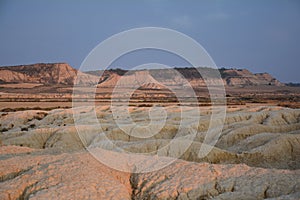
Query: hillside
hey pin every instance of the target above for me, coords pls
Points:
(64, 74)
(183, 76)
(44, 73)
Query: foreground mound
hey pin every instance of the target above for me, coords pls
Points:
(26, 173)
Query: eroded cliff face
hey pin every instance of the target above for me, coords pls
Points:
(62, 73)
(8, 76)
(245, 77)
(47, 74)
(187, 76)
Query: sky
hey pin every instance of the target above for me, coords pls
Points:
(260, 35)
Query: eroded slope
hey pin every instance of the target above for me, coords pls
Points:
(257, 136)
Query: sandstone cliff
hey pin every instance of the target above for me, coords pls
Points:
(48, 74)
(184, 77)
(62, 73)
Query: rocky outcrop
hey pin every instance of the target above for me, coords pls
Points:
(183, 77)
(8, 76)
(245, 77)
(48, 74)
(62, 73)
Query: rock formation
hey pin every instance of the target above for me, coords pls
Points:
(62, 73)
(183, 76)
(48, 74)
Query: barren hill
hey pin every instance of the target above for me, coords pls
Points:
(245, 77)
(62, 73)
(44, 73)
(183, 76)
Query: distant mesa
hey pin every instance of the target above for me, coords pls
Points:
(44, 73)
(184, 76)
(245, 77)
(64, 74)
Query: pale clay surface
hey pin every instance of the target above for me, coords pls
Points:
(256, 156)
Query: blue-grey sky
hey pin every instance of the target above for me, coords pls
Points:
(260, 35)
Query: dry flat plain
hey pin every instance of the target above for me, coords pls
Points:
(256, 156)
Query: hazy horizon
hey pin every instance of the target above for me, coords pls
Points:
(261, 36)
